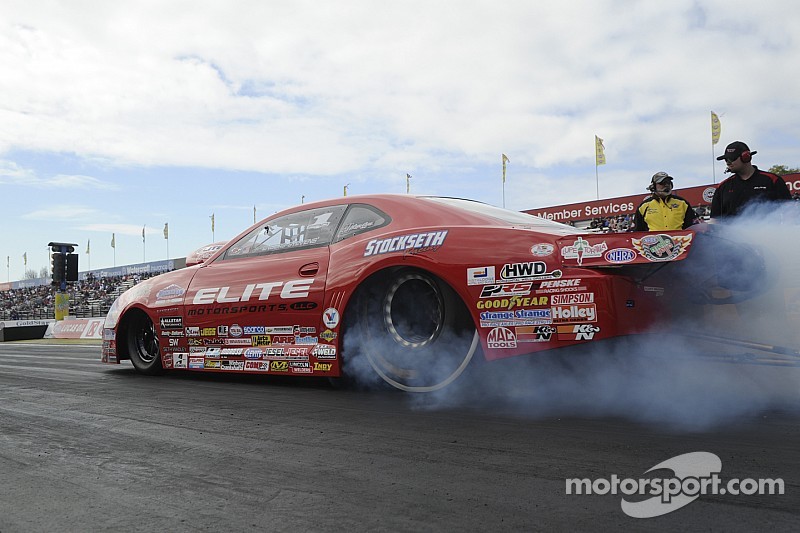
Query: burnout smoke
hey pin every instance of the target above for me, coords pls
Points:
(664, 377)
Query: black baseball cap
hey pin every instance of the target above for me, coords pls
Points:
(734, 151)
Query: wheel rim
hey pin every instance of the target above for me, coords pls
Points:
(413, 311)
(146, 340)
(416, 343)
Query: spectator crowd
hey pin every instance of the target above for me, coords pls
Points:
(89, 297)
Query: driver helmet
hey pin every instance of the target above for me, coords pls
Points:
(663, 178)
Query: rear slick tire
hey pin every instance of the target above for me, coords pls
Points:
(413, 329)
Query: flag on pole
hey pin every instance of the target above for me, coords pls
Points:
(505, 160)
(113, 241)
(142, 233)
(716, 128)
(408, 183)
(345, 189)
(212, 222)
(254, 214)
(88, 241)
(25, 258)
(599, 151)
(166, 230)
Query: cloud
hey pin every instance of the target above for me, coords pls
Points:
(62, 213)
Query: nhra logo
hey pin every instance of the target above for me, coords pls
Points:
(501, 338)
(620, 255)
(578, 332)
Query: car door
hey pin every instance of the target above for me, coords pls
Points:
(265, 292)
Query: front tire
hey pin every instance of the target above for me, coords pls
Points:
(412, 329)
(142, 342)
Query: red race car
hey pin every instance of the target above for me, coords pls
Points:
(410, 288)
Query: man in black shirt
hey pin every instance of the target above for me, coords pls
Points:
(747, 184)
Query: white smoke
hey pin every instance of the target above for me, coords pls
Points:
(663, 378)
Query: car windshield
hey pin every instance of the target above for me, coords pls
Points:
(511, 217)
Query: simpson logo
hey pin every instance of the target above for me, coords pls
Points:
(577, 332)
(530, 271)
(171, 322)
(480, 275)
(501, 338)
(662, 247)
(581, 249)
(620, 255)
(297, 288)
(508, 289)
(574, 313)
(401, 243)
(572, 298)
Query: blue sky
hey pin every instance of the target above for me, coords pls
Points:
(116, 116)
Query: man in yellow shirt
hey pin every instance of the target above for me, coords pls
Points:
(662, 210)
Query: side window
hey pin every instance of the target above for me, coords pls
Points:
(306, 229)
(361, 218)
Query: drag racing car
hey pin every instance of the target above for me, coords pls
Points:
(412, 289)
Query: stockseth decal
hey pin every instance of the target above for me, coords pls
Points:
(402, 243)
(662, 247)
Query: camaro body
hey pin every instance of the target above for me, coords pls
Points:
(275, 299)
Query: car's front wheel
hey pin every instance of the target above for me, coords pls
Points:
(142, 342)
(412, 329)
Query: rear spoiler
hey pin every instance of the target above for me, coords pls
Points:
(617, 249)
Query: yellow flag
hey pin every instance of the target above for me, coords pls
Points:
(166, 230)
(505, 160)
(599, 151)
(88, 241)
(716, 128)
(25, 258)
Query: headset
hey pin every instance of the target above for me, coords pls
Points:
(747, 156)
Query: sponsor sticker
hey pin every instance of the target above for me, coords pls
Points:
(480, 275)
(506, 289)
(403, 243)
(528, 271)
(577, 332)
(662, 247)
(330, 317)
(581, 249)
(620, 255)
(502, 338)
(542, 249)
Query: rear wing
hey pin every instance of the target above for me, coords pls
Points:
(617, 249)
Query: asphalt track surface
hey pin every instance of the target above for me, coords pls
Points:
(92, 447)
